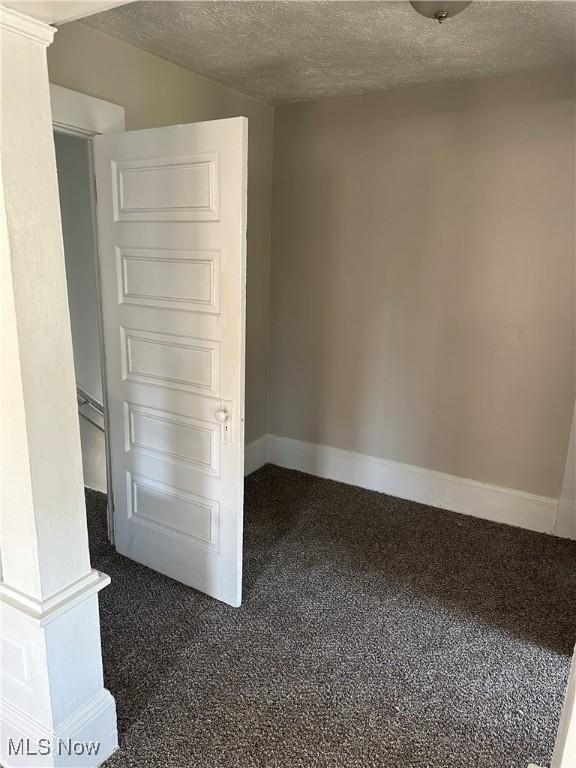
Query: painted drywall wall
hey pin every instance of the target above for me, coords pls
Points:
(74, 186)
(422, 285)
(155, 93)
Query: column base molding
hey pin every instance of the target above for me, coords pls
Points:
(55, 709)
(72, 744)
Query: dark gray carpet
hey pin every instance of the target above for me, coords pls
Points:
(374, 632)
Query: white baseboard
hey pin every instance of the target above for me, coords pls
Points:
(436, 489)
(255, 454)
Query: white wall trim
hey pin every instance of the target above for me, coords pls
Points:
(75, 112)
(255, 454)
(468, 497)
(21, 24)
(565, 748)
(566, 519)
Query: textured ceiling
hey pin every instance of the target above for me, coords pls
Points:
(295, 51)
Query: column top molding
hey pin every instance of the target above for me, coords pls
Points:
(26, 26)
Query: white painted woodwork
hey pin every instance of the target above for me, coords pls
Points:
(78, 113)
(166, 189)
(35, 259)
(171, 278)
(172, 230)
(566, 520)
(192, 364)
(52, 685)
(565, 747)
(50, 662)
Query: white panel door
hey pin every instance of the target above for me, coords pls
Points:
(172, 242)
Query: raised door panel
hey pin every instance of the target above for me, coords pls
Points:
(175, 510)
(166, 189)
(171, 361)
(173, 436)
(169, 278)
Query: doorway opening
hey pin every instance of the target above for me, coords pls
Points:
(155, 262)
(76, 190)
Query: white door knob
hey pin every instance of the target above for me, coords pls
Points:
(221, 415)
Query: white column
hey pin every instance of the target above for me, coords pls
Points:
(53, 697)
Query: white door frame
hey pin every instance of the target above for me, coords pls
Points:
(78, 114)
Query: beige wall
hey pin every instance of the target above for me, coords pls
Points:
(423, 277)
(422, 288)
(154, 93)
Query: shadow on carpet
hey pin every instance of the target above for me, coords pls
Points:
(373, 632)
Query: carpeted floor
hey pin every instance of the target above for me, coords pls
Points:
(374, 632)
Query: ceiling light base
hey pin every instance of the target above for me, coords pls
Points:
(439, 11)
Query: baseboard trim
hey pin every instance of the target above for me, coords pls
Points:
(436, 489)
(255, 454)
